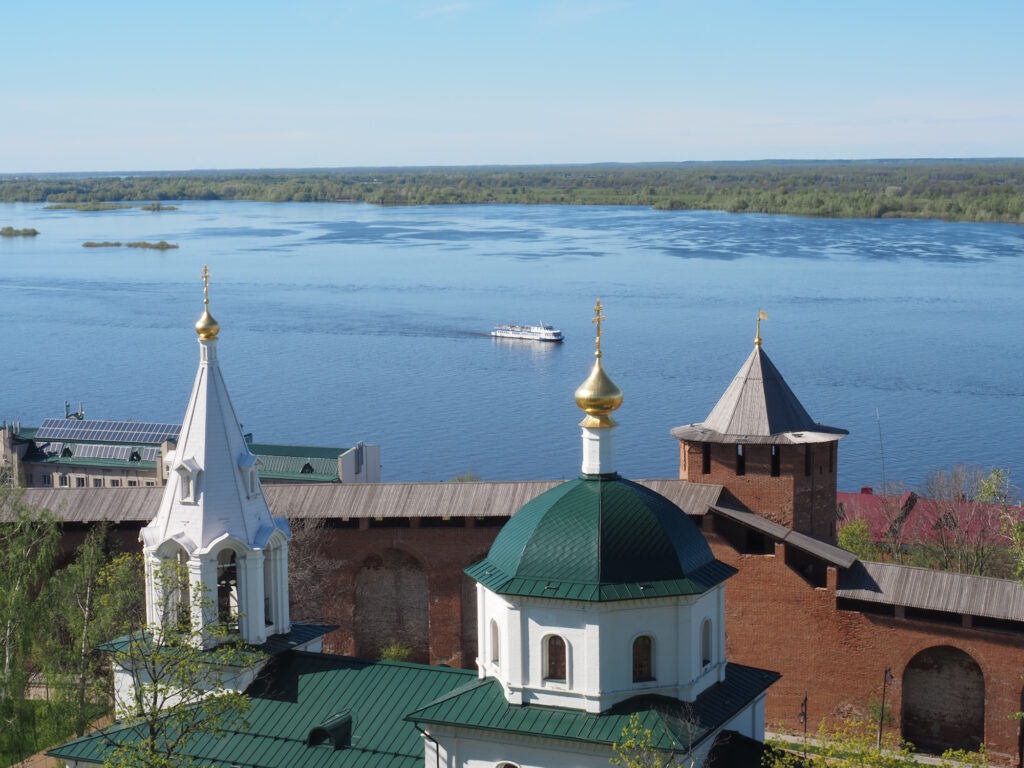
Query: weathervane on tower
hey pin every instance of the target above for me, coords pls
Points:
(761, 315)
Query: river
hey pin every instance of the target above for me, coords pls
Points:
(352, 322)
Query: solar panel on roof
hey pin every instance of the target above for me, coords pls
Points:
(107, 431)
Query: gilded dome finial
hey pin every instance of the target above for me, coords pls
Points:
(206, 326)
(598, 396)
(761, 315)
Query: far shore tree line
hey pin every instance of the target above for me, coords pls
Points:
(955, 190)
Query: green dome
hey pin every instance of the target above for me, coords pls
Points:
(600, 538)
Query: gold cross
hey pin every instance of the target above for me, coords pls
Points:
(206, 285)
(597, 319)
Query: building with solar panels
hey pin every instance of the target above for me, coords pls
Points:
(75, 452)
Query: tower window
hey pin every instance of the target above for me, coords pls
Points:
(555, 662)
(642, 669)
(705, 643)
(741, 461)
(705, 459)
(808, 460)
(494, 642)
(776, 459)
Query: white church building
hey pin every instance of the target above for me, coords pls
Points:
(600, 600)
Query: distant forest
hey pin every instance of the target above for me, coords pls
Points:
(958, 190)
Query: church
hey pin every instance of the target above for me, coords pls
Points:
(599, 601)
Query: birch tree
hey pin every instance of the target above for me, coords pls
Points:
(28, 545)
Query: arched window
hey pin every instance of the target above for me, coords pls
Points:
(494, 642)
(227, 589)
(555, 661)
(705, 643)
(642, 668)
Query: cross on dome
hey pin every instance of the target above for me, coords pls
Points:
(597, 319)
(206, 326)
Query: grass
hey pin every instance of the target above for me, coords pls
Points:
(12, 232)
(45, 725)
(89, 206)
(158, 206)
(101, 244)
(163, 245)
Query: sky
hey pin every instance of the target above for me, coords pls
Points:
(129, 86)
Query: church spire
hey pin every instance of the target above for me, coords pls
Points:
(597, 397)
(213, 513)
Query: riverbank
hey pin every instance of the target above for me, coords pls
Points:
(950, 190)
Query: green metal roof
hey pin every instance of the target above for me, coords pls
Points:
(300, 692)
(301, 463)
(301, 632)
(674, 724)
(600, 538)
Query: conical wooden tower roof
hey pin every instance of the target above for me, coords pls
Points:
(759, 407)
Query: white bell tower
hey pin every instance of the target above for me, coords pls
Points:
(213, 519)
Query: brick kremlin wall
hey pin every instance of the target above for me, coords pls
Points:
(775, 619)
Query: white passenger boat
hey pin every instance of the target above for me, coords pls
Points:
(528, 332)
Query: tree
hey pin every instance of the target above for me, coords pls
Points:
(307, 567)
(967, 519)
(176, 690)
(635, 748)
(28, 545)
(855, 537)
(852, 743)
(897, 504)
(78, 618)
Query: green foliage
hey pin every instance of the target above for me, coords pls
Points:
(12, 232)
(855, 537)
(395, 651)
(960, 190)
(101, 244)
(467, 477)
(180, 690)
(40, 725)
(853, 743)
(163, 245)
(158, 206)
(79, 615)
(28, 545)
(86, 206)
(635, 748)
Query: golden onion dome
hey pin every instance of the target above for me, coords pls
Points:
(207, 326)
(598, 395)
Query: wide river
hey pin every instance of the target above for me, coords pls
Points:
(350, 322)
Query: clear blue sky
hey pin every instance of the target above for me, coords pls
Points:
(96, 85)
